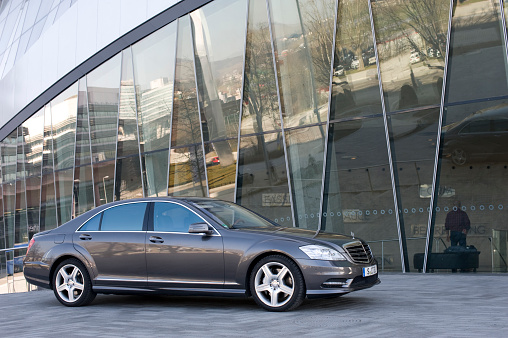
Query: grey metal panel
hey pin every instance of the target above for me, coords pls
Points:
(430, 230)
(390, 159)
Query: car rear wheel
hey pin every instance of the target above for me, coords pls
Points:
(71, 284)
(277, 284)
(459, 156)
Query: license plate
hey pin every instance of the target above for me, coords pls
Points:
(369, 271)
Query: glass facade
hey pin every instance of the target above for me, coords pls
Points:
(370, 118)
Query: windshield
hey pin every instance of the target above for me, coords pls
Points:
(233, 216)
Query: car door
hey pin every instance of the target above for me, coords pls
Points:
(177, 258)
(115, 239)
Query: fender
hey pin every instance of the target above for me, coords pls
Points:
(64, 249)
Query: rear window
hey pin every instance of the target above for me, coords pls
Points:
(126, 217)
(92, 224)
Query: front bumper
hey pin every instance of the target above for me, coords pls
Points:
(326, 278)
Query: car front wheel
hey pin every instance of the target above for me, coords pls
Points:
(71, 284)
(277, 284)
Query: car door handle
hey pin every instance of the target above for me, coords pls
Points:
(156, 239)
(85, 237)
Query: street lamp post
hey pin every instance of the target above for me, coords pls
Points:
(104, 186)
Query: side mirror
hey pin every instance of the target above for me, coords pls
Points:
(199, 228)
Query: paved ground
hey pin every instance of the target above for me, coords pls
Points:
(411, 305)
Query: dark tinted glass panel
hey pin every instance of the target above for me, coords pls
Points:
(303, 38)
(219, 63)
(103, 175)
(187, 172)
(128, 217)
(355, 87)
(262, 177)
(260, 101)
(186, 126)
(34, 136)
(92, 224)
(128, 179)
(358, 190)
(472, 170)
(127, 120)
(83, 190)
(305, 155)
(411, 43)
(103, 91)
(33, 197)
(64, 194)
(221, 168)
(48, 204)
(63, 117)
(82, 127)
(173, 217)
(154, 67)
(477, 63)
(155, 173)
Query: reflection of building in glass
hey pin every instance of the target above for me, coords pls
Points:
(319, 114)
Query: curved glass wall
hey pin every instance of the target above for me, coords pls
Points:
(369, 118)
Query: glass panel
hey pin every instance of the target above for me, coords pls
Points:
(47, 149)
(187, 172)
(155, 173)
(93, 224)
(171, 217)
(303, 38)
(476, 36)
(48, 204)
(9, 194)
(127, 119)
(154, 69)
(262, 177)
(128, 179)
(103, 175)
(103, 91)
(64, 191)
(186, 126)
(21, 226)
(33, 8)
(260, 101)
(33, 197)
(82, 127)
(83, 190)
(358, 189)
(219, 63)
(305, 155)
(63, 116)
(9, 157)
(471, 195)
(34, 138)
(411, 43)
(221, 170)
(128, 217)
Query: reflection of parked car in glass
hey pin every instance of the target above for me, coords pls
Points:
(433, 52)
(482, 135)
(355, 64)
(372, 60)
(339, 71)
(16, 264)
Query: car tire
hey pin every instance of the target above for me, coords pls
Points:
(71, 283)
(459, 156)
(277, 284)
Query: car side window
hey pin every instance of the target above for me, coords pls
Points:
(125, 217)
(172, 217)
(92, 224)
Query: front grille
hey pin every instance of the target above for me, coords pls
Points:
(359, 252)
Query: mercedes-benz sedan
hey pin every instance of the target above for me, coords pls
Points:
(194, 246)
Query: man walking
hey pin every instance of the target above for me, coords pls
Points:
(457, 225)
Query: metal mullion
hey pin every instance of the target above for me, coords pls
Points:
(3, 197)
(268, 8)
(75, 151)
(325, 154)
(117, 126)
(241, 100)
(53, 155)
(89, 139)
(503, 21)
(430, 230)
(199, 107)
(387, 138)
(42, 165)
(137, 122)
(171, 113)
(24, 182)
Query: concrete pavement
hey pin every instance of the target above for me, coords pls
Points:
(411, 305)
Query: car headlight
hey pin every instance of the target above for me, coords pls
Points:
(322, 252)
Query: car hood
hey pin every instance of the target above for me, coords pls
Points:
(303, 235)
